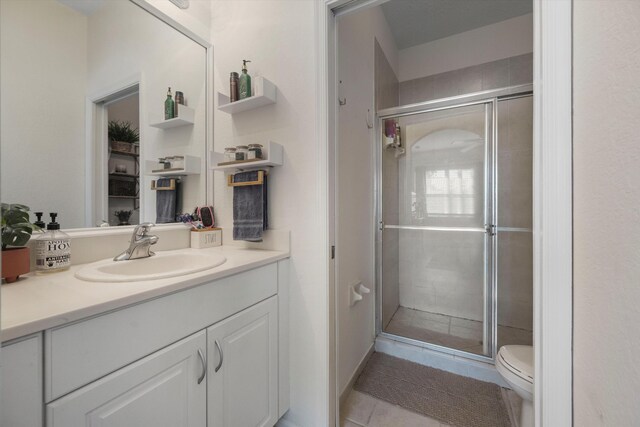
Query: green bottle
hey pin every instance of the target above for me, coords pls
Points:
(169, 107)
(244, 83)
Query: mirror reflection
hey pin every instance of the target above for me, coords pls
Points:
(84, 130)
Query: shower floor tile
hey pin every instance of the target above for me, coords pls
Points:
(449, 331)
(440, 329)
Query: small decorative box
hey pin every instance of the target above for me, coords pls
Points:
(206, 238)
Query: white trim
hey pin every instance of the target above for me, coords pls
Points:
(327, 119)
(346, 7)
(552, 222)
(324, 23)
(90, 112)
(209, 109)
(76, 233)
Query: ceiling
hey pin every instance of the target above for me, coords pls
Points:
(85, 7)
(415, 22)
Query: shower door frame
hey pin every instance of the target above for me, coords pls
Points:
(490, 324)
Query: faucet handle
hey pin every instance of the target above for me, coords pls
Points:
(142, 229)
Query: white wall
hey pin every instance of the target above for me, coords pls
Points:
(42, 132)
(355, 236)
(606, 284)
(278, 37)
(379, 28)
(498, 41)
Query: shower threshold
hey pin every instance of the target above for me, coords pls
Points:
(449, 331)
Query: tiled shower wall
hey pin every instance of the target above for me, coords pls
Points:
(512, 71)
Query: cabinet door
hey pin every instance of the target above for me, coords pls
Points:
(21, 402)
(243, 392)
(160, 390)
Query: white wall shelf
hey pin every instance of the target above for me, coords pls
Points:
(192, 166)
(186, 117)
(273, 154)
(265, 93)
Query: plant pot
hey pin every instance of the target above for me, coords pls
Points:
(122, 146)
(15, 261)
(123, 217)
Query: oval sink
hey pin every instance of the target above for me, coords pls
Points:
(162, 265)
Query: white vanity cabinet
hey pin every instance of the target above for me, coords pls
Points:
(213, 354)
(165, 389)
(243, 368)
(21, 376)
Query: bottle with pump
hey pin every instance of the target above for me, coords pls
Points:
(53, 249)
(169, 106)
(244, 82)
(39, 222)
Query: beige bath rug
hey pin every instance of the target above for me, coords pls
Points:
(451, 398)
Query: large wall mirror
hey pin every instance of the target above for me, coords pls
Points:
(74, 74)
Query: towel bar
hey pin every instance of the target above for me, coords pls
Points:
(172, 186)
(259, 181)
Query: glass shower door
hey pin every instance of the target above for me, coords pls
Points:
(435, 204)
(514, 221)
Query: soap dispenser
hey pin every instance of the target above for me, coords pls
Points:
(169, 106)
(244, 83)
(39, 222)
(53, 249)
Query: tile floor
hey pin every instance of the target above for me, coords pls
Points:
(366, 411)
(449, 331)
(363, 410)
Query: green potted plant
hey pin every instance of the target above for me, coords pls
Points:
(16, 232)
(123, 136)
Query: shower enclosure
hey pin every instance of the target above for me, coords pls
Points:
(454, 204)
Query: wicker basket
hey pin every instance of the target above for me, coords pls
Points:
(121, 187)
(122, 146)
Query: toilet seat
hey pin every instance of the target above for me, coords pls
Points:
(515, 364)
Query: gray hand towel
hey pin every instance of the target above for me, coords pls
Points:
(249, 208)
(166, 202)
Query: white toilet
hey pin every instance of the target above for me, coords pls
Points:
(515, 364)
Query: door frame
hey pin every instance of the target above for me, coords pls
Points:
(552, 189)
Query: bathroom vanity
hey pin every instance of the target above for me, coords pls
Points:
(203, 349)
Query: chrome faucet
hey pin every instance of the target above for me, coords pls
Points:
(140, 244)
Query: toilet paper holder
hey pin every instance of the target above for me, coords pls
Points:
(356, 292)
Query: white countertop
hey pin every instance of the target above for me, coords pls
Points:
(38, 302)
